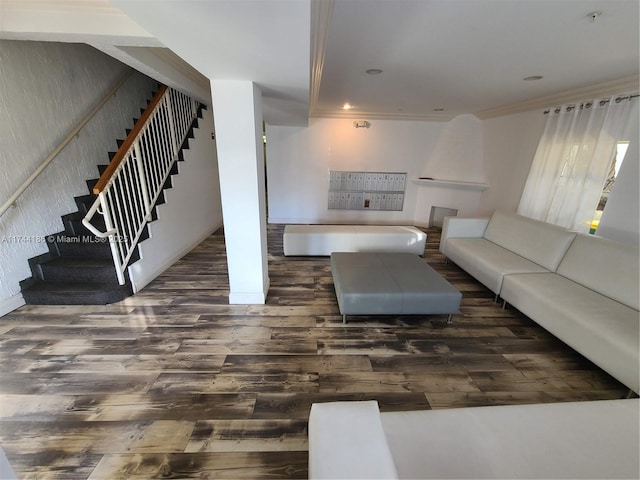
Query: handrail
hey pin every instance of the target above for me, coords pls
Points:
(128, 142)
(12, 199)
(136, 176)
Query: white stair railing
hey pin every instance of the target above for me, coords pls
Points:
(130, 186)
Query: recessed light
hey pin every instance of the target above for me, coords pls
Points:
(533, 78)
(438, 109)
(347, 106)
(373, 71)
(593, 16)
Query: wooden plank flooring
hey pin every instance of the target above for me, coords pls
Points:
(176, 383)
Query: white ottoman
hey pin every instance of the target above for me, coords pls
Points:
(323, 240)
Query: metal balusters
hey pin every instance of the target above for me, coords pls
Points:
(137, 182)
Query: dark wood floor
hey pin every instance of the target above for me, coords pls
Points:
(176, 383)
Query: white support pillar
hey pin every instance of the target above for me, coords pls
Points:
(237, 112)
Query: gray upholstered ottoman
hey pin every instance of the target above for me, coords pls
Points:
(370, 283)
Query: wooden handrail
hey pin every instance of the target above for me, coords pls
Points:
(126, 145)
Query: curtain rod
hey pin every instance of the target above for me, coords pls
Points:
(588, 104)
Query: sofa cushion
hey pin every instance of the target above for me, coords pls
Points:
(597, 439)
(605, 331)
(540, 242)
(488, 262)
(608, 267)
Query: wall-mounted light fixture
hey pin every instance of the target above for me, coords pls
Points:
(361, 124)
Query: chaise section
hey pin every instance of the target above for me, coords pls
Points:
(542, 243)
(508, 244)
(591, 304)
(583, 289)
(604, 266)
(597, 439)
(462, 227)
(487, 262)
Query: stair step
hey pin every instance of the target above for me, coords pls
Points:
(74, 293)
(161, 199)
(36, 262)
(91, 183)
(73, 224)
(84, 203)
(63, 244)
(78, 269)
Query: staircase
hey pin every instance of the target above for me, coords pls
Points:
(79, 268)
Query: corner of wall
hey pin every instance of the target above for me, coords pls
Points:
(8, 305)
(191, 213)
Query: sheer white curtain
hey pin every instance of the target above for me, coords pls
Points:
(572, 160)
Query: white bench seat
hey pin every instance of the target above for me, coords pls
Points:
(323, 240)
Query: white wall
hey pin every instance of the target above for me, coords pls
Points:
(45, 89)
(621, 217)
(458, 156)
(299, 160)
(192, 210)
(510, 144)
(496, 151)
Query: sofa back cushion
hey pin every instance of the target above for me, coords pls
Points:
(540, 242)
(608, 267)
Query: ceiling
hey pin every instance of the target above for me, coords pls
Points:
(440, 58)
(470, 56)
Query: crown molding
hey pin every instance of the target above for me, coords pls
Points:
(630, 84)
(352, 115)
(78, 21)
(84, 6)
(321, 13)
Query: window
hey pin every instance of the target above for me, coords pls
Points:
(621, 151)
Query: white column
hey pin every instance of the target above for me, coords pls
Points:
(237, 112)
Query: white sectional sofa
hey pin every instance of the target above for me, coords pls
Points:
(353, 440)
(582, 288)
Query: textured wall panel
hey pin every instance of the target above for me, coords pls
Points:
(45, 90)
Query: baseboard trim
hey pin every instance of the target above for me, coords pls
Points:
(142, 281)
(8, 305)
(250, 298)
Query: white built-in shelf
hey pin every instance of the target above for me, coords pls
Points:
(450, 183)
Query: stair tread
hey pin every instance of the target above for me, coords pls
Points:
(86, 239)
(75, 262)
(86, 287)
(75, 293)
